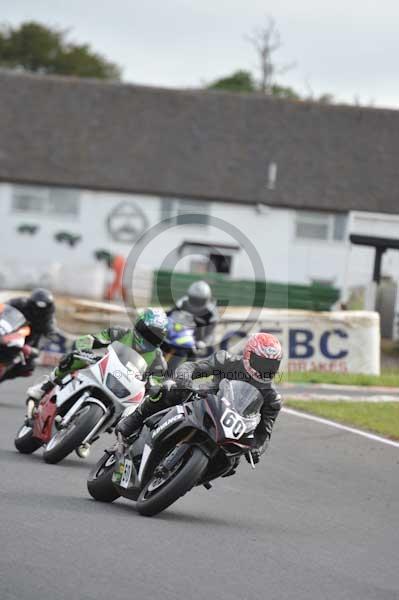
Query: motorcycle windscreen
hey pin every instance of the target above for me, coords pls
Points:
(130, 359)
(182, 318)
(241, 396)
(11, 319)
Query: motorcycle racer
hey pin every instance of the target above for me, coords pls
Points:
(257, 366)
(38, 310)
(147, 334)
(199, 303)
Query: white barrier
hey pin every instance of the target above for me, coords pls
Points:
(345, 341)
(88, 280)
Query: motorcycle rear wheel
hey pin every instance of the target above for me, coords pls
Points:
(99, 484)
(24, 441)
(156, 496)
(66, 440)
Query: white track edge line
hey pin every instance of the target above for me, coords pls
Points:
(370, 436)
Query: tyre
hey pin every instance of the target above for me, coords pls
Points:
(66, 440)
(100, 484)
(25, 442)
(162, 490)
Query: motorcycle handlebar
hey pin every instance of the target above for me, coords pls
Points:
(87, 356)
(205, 390)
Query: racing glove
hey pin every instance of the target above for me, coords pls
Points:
(160, 391)
(65, 364)
(256, 453)
(67, 360)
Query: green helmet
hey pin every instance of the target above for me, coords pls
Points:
(150, 329)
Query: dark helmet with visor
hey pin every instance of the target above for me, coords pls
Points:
(150, 329)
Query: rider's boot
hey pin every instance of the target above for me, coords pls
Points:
(30, 407)
(134, 422)
(36, 392)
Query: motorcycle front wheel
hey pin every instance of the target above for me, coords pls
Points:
(67, 439)
(24, 441)
(166, 486)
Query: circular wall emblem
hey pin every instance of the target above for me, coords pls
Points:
(127, 222)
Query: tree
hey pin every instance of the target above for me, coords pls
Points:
(243, 81)
(266, 41)
(281, 91)
(325, 99)
(322, 99)
(239, 81)
(40, 49)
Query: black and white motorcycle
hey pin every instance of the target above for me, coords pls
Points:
(178, 448)
(88, 402)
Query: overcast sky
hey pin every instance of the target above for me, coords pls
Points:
(346, 47)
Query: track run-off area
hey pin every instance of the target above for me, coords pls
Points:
(317, 519)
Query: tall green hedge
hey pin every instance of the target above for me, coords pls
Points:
(168, 286)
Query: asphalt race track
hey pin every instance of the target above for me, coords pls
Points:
(318, 519)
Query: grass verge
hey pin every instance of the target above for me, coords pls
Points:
(386, 379)
(377, 417)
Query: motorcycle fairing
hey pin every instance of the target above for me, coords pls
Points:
(181, 330)
(13, 333)
(43, 422)
(11, 319)
(138, 458)
(106, 375)
(199, 416)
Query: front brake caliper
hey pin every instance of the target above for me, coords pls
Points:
(174, 457)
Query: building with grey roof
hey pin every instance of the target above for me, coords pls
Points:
(104, 163)
(197, 144)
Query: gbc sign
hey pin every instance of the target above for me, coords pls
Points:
(302, 344)
(337, 341)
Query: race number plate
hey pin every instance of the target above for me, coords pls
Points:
(127, 473)
(233, 424)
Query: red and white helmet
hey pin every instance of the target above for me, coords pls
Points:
(262, 356)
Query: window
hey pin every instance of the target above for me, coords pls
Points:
(221, 263)
(320, 226)
(39, 200)
(339, 231)
(185, 212)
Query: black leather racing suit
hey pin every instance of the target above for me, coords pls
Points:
(41, 325)
(220, 365)
(223, 365)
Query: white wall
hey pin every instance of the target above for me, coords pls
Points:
(271, 231)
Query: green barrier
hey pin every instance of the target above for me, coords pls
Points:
(168, 286)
